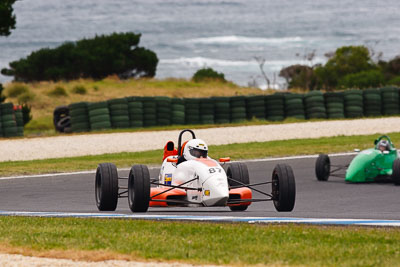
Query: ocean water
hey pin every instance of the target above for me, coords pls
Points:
(226, 35)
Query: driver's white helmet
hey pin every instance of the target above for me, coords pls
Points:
(195, 148)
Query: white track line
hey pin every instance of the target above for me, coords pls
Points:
(264, 220)
(156, 167)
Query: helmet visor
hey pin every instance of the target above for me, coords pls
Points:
(198, 153)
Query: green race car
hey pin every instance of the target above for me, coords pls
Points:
(378, 164)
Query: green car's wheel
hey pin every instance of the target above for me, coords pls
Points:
(237, 174)
(106, 187)
(283, 188)
(322, 167)
(139, 188)
(396, 172)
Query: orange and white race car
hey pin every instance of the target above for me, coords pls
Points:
(189, 177)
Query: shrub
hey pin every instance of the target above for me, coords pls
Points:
(79, 89)
(207, 74)
(17, 89)
(88, 58)
(395, 81)
(363, 79)
(26, 113)
(299, 76)
(58, 91)
(26, 97)
(2, 97)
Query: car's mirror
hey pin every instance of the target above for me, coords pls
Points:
(385, 152)
(175, 160)
(225, 159)
(356, 150)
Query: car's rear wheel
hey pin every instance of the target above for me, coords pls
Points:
(283, 188)
(106, 187)
(238, 175)
(396, 172)
(322, 167)
(139, 188)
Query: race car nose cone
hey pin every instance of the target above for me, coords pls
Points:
(215, 192)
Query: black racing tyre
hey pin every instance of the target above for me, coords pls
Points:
(63, 123)
(139, 188)
(106, 187)
(396, 172)
(237, 174)
(283, 188)
(322, 167)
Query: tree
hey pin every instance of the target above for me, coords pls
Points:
(346, 60)
(95, 58)
(7, 18)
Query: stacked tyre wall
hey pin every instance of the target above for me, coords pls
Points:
(137, 111)
(11, 120)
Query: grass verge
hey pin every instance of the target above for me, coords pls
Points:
(201, 243)
(235, 151)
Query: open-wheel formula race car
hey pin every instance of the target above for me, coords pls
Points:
(378, 164)
(188, 177)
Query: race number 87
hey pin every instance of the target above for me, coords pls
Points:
(214, 170)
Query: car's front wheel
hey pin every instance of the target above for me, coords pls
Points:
(139, 188)
(106, 187)
(283, 188)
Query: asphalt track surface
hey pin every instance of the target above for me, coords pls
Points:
(332, 199)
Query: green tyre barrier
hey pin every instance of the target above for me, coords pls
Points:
(132, 105)
(97, 105)
(79, 119)
(100, 111)
(78, 112)
(100, 118)
(80, 127)
(275, 118)
(104, 125)
(136, 124)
